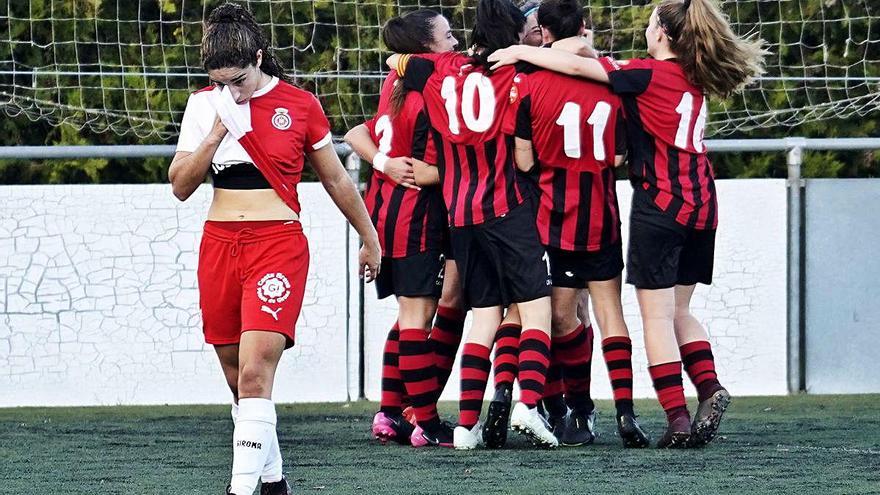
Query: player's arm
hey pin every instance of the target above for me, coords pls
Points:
(188, 169)
(425, 174)
(524, 154)
(553, 59)
(344, 193)
(398, 169)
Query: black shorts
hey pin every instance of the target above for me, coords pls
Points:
(574, 269)
(663, 253)
(419, 275)
(501, 261)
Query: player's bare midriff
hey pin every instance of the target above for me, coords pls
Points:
(231, 205)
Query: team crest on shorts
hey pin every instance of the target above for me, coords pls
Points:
(273, 288)
(281, 119)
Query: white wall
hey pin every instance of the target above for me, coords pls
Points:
(99, 304)
(744, 309)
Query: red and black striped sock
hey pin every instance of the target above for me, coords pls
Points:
(670, 392)
(618, 358)
(553, 400)
(417, 371)
(700, 365)
(534, 359)
(574, 352)
(506, 359)
(444, 340)
(475, 367)
(392, 384)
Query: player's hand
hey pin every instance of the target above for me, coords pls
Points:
(504, 56)
(369, 259)
(218, 130)
(400, 170)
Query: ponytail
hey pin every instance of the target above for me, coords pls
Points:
(563, 18)
(408, 33)
(711, 55)
(498, 25)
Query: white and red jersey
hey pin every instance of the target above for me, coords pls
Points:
(289, 122)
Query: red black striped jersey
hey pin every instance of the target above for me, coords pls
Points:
(467, 111)
(575, 127)
(408, 221)
(666, 115)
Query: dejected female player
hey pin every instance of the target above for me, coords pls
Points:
(253, 259)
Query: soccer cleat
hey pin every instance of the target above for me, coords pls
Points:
(527, 421)
(276, 488)
(631, 432)
(579, 428)
(409, 415)
(707, 419)
(497, 418)
(441, 437)
(391, 427)
(557, 424)
(677, 435)
(467, 439)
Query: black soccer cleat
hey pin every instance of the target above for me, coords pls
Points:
(708, 418)
(557, 424)
(276, 488)
(579, 428)
(440, 436)
(677, 435)
(498, 418)
(631, 433)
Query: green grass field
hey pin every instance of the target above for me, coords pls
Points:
(799, 445)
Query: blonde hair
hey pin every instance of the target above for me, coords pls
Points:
(711, 55)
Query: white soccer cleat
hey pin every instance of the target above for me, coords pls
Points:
(465, 439)
(532, 425)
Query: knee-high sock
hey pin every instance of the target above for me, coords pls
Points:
(618, 359)
(444, 340)
(506, 354)
(417, 370)
(534, 359)
(251, 443)
(670, 392)
(700, 365)
(392, 383)
(475, 367)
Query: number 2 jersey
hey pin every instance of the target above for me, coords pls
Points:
(576, 130)
(665, 117)
(408, 221)
(467, 109)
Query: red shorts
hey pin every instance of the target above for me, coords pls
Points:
(252, 276)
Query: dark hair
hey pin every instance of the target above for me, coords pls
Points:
(711, 55)
(563, 18)
(232, 38)
(529, 6)
(498, 25)
(408, 33)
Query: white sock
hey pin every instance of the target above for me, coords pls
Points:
(272, 471)
(234, 413)
(251, 443)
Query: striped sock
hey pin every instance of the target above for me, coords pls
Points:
(618, 358)
(444, 340)
(475, 367)
(534, 359)
(574, 352)
(417, 371)
(700, 365)
(670, 392)
(553, 400)
(506, 354)
(392, 383)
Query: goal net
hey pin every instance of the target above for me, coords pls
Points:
(128, 66)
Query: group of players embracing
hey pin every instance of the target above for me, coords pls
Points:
(493, 191)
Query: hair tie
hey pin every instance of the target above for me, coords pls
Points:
(530, 11)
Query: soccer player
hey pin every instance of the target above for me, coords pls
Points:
(532, 32)
(253, 258)
(574, 126)
(411, 222)
(693, 54)
(493, 235)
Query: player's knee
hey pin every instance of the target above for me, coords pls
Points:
(254, 381)
(562, 322)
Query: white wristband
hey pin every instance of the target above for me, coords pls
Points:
(379, 161)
